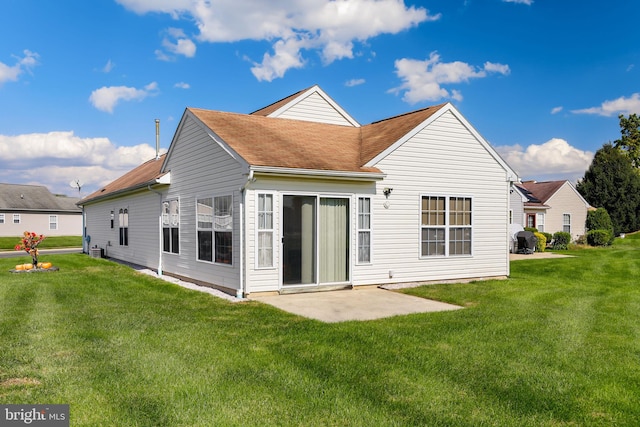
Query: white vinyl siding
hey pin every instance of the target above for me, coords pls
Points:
(443, 159)
(315, 108)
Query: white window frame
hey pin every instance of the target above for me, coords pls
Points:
(447, 227)
(219, 227)
(206, 219)
(565, 223)
(53, 222)
(364, 230)
(540, 222)
(123, 226)
(171, 222)
(1, 218)
(16, 218)
(262, 228)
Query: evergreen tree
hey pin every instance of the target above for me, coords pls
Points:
(612, 182)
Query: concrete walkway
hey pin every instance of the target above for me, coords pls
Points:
(353, 304)
(537, 255)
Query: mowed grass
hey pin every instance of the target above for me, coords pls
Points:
(9, 243)
(558, 344)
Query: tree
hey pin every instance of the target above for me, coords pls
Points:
(611, 182)
(630, 140)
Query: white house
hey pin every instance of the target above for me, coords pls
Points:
(299, 196)
(34, 208)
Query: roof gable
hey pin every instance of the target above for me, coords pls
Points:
(544, 191)
(311, 104)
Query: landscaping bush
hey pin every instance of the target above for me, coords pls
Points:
(549, 236)
(561, 240)
(541, 244)
(531, 229)
(600, 220)
(599, 237)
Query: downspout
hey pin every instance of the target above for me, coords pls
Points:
(159, 230)
(241, 292)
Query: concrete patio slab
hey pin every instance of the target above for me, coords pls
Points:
(353, 304)
(537, 255)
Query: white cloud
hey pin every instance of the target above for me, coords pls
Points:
(354, 82)
(423, 80)
(527, 2)
(106, 98)
(10, 73)
(290, 26)
(555, 159)
(556, 110)
(54, 159)
(618, 106)
(182, 85)
(176, 42)
(108, 67)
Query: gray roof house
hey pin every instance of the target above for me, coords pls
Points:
(35, 208)
(298, 196)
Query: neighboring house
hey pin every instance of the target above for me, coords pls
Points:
(298, 196)
(34, 208)
(553, 206)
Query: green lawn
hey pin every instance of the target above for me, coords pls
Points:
(558, 344)
(9, 243)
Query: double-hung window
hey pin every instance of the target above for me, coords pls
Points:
(265, 231)
(446, 226)
(171, 226)
(16, 218)
(540, 222)
(215, 225)
(364, 230)
(204, 213)
(222, 228)
(566, 223)
(1, 218)
(53, 222)
(123, 224)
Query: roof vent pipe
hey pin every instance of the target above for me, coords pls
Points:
(157, 139)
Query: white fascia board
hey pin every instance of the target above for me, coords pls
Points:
(164, 179)
(311, 173)
(511, 175)
(326, 97)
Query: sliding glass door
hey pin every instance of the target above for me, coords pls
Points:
(315, 240)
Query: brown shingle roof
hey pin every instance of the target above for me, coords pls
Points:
(543, 190)
(141, 176)
(287, 143)
(20, 197)
(273, 107)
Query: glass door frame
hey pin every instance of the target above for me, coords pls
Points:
(316, 229)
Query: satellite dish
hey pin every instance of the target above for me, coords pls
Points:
(76, 184)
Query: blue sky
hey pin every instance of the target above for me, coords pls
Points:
(81, 82)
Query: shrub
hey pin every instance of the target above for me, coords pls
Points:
(599, 219)
(541, 244)
(599, 237)
(549, 236)
(531, 229)
(561, 240)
